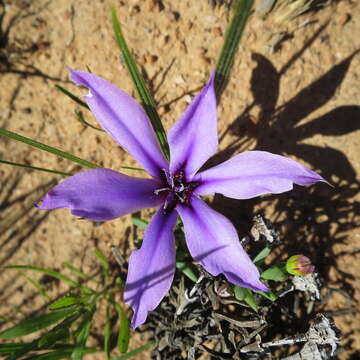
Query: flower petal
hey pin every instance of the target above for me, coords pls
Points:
(123, 119)
(193, 139)
(253, 173)
(102, 194)
(213, 242)
(152, 267)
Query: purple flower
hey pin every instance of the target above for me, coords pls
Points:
(103, 194)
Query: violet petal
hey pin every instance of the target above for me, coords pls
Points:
(102, 194)
(253, 173)
(213, 242)
(193, 138)
(123, 119)
(152, 267)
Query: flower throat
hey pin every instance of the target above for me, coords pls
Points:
(177, 188)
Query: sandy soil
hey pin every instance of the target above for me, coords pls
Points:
(300, 98)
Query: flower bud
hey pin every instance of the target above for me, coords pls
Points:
(299, 265)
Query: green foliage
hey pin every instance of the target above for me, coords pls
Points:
(246, 295)
(242, 11)
(261, 256)
(67, 324)
(50, 149)
(34, 168)
(275, 273)
(73, 97)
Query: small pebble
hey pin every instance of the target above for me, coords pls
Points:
(217, 31)
(150, 59)
(343, 19)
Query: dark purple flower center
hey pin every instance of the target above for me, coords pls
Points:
(177, 188)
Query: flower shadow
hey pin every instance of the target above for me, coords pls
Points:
(311, 221)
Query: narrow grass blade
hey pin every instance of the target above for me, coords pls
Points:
(132, 353)
(103, 259)
(107, 333)
(34, 168)
(52, 273)
(140, 223)
(77, 272)
(124, 329)
(242, 10)
(10, 348)
(38, 286)
(144, 94)
(131, 168)
(47, 148)
(73, 97)
(31, 325)
(80, 117)
(83, 334)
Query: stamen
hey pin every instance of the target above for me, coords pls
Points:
(158, 191)
(179, 191)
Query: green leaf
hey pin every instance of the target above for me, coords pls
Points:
(73, 97)
(134, 352)
(10, 348)
(250, 300)
(268, 295)
(83, 333)
(32, 325)
(239, 292)
(54, 336)
(140, 223)
(260, 257)
(65, 302)
(242, 10)
(124, 329)
(59, 333)
(47, 148)
(52, 273)
(186, 270)
(243, 294)
(274, 273)
(34, 168)
(145, 96)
